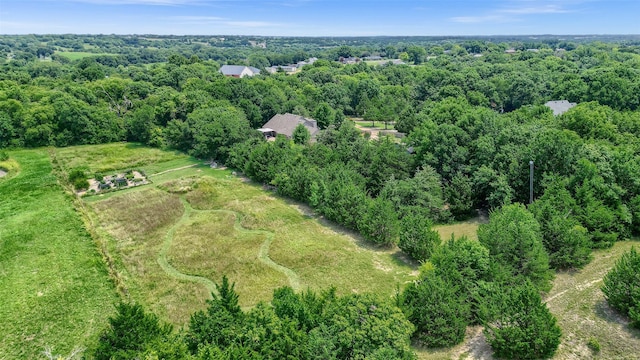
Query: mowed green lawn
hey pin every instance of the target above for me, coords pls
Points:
(54, 290)
(75, 55)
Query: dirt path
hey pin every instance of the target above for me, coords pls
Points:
(263, 252)
(176, 169)
(2, 173)
(374, 132)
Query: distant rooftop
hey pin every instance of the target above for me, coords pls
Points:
(559, 107)
(238, 70)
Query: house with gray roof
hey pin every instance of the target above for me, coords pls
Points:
(559, 107)
(238, 71)
(285, 124)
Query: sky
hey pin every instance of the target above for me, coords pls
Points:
(320, 17)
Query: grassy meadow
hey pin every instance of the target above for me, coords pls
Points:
(172, 239)
(76, 55)
(54, 289)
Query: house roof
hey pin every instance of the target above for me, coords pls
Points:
(238, 70)
(559, 107)
(285, 124)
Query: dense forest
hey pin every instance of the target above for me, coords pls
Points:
(473, 118)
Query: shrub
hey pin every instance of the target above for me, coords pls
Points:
(99, 177)
(130, 332)
(78, 179)
(417, 239)
(522, 327)
(622, 286)
(435, 309)
(4, 156)
(594, 345)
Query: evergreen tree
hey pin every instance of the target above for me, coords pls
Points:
(622, 286)
(438, 313)
(521, 326)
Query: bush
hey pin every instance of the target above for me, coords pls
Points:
(435, 309)
(622, 286)
(417, 239)
(99, 177)
(78, 179)
(130, 332)
(522, 327)
(4, 156)
(594, 345)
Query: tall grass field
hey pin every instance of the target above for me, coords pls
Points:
(54, 290)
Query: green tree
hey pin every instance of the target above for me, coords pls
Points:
(301, 135)
(361, 324)
(215, 130)
(221, 324)
(523, 327)
(416, 54)
(438, 313)
(130, 332)
(466, 264)
(622, 286)
(514, 240)
(417, 238)
(379, 222)
(459, 196)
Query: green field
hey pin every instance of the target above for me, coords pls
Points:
(374, 125)
(172, 239)
(75, 55)
(54, 289)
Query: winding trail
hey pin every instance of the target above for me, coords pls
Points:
(263, 252)
(166, 245)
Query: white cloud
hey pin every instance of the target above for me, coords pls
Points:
(519, 9)
(139, 2)
(545, 9)
(251, 24)
(215, 20)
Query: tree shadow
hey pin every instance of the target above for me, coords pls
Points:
(612, 316)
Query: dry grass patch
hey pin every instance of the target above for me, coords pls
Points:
(136, 224)
(137, 214)
(208, 245)
(318, 254)
(583, 313)
(467, 228)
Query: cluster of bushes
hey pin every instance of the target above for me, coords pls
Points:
(622, 286)
(293, 326)
(495, 281)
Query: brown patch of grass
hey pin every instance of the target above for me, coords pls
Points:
(467, 228)
(137, 223)
(208, 245)
(136, 214)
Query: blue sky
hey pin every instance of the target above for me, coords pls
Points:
(320, 17)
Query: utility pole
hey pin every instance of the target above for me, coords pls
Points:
(531, 182)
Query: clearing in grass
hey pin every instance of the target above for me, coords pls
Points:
(54, 289)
